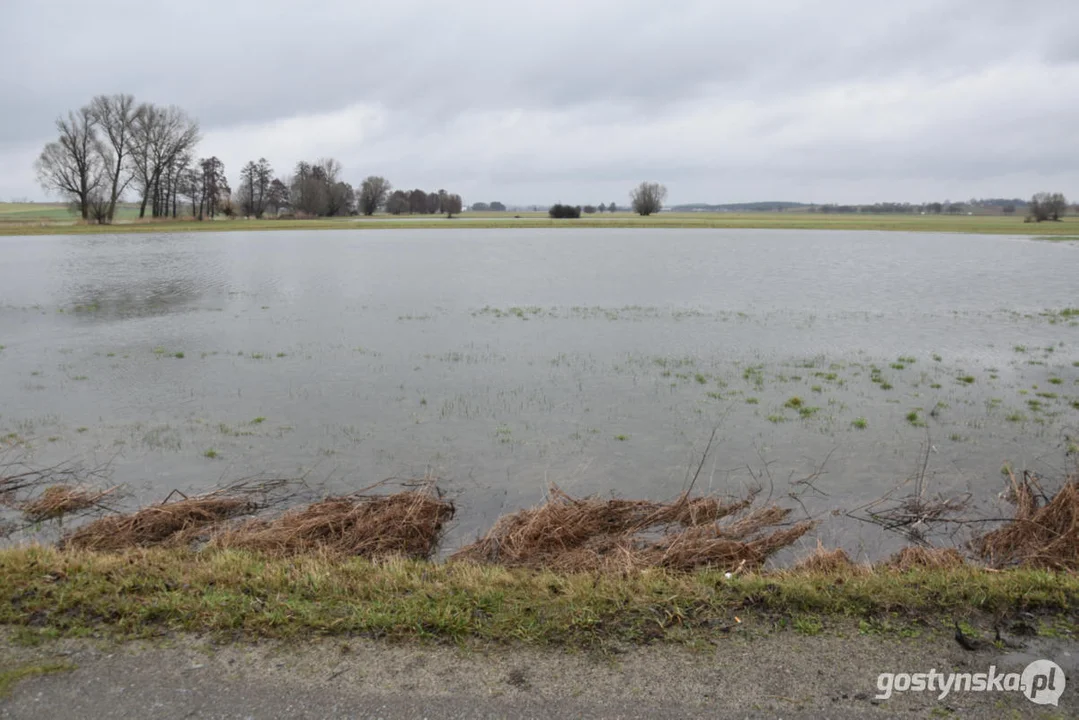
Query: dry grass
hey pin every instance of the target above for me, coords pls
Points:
(407, 524)
(576, 534)
(168, 524)
(915, 557)
(828, 562)
(57, 501)
(1044, 532)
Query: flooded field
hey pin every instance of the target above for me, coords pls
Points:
(501, 361)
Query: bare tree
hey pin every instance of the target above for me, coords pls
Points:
(278, 196)
(71, 165)
(215, 187)
(647, 198)
(331, 168)
(116, 115)
(255, 180)
(451, 205)
(433, 203)
(374, 192)
(1048, 206)
(417, 202)
(340, 199)
(98, 206)
(163, 136)
(191, 188)
(397, 202)
(612, 208)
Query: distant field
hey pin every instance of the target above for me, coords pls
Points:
(58, 213)
(51, 219)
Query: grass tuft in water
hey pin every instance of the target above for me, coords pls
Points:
(859, 423)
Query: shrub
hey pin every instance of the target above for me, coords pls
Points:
(565, 211)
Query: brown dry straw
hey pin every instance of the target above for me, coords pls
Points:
(911, 558)
(174, 523)
(827, 562)
(567, 533)
(59, 500)
(1043, 533)
(407, 524)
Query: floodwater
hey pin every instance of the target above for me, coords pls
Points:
(504, 360)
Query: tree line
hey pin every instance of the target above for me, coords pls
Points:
(645, 199)
(114, 144)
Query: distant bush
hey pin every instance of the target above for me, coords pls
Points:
(589, 209)
(565, 211)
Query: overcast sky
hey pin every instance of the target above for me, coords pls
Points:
(542, 102)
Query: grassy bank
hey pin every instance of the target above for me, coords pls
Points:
(49, 592)
(998, 225)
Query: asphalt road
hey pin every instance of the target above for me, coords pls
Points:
(781, 675)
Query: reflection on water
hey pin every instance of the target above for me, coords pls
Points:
(503, 360)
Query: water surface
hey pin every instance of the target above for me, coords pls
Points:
(504, 360)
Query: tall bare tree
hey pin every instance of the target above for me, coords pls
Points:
(1048, 206)
(452, 204)
(71, 165)
(215, 187)
(255, 180)
(373, 193)
(647, 198)
(417, 202)
(116, 115)
(163, 135)
(191, 188)
(277, 198)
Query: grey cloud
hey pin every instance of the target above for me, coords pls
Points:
(602, 63)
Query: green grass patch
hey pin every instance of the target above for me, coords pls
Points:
(915, 419)
(966, 379)
(793, 403)
(859, 423)
(1055, 381)
(211, 453)
(143, 593)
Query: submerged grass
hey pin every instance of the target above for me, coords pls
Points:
(151, 591)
